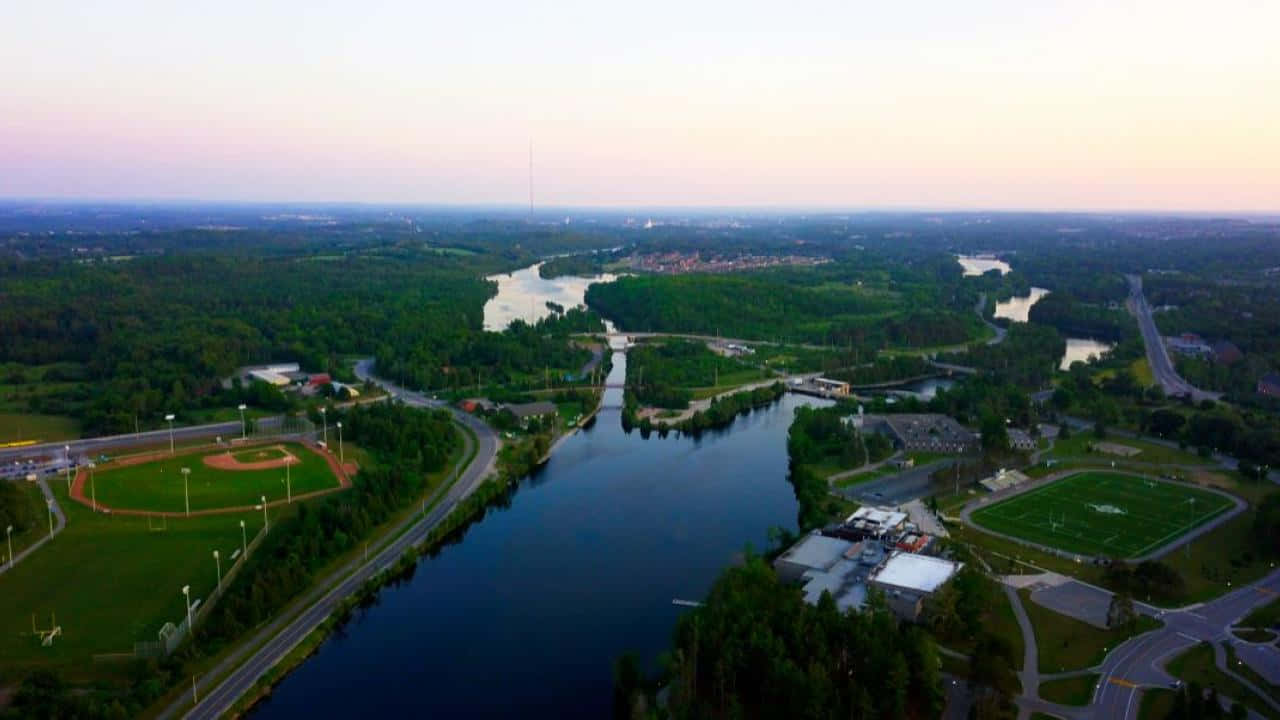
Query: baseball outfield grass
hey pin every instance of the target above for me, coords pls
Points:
(158, 485)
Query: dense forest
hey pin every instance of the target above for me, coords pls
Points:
(865, 301)
(125, 342)
(1072, 317)
(756, 650)
(662, 373)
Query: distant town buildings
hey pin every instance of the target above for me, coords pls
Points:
(1189, 344)
(674, 263)
(1269, 385)
(1021, 440)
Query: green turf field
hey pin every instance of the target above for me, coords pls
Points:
(158, 485)
(111, 581)
(1100, 513)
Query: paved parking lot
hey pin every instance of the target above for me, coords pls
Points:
(1077, 600)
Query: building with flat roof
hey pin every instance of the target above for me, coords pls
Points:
(270, 377)
(906, 579)
(1269, 385)
(932, 432)
(835, 387)
(813, 552)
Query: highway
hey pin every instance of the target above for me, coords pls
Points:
(218, 700)
(1157, 353)
(92, 446)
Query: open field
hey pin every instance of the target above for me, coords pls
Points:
(111, 581)
(158, 485)
(21, 539)
(19, 427)
(1078, 446)
(1101, 513)
(1076, 690)
(1065, 643)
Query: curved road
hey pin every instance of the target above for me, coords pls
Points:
(59, 522)
(241, 680)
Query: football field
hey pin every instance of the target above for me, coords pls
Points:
(1099, 513)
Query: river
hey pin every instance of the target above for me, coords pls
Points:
(528, 612)
(980, 264)
(524, 294)
(1018, 309)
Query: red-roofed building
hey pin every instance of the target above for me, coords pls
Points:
(320, 379)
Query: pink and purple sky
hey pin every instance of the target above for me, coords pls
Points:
(1167, 104)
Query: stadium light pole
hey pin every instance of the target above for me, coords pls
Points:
(265, 526)
(218, 561)
(186, 600)
(169, 418)
(67, 449)
(93, 487)
(341, 455)
(244, 431)
(186, 491)
(324, 420)
(288, 483)
(9, 534)
(49, 504)
(244, 542)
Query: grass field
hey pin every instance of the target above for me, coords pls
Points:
(1100, 513)
(1077, 446)
(158, 485)
(1064, 643)
(110, 581)
(1076, 690)
(18, 427)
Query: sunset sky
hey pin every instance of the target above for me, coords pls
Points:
(1083, 105)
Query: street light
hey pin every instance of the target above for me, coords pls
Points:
(186, 600)
(218, 560)
(169, 417)
(49, 504)
(244, 541)
(186, 493)
(93, 486)
(265, 526)
(341, 455)
(288, 485)
(244, 432)
(9, 534)
(67, 449)
(324, 419)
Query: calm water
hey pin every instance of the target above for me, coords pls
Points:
(1018, 308)
(523, 294)
(527, 614)
(1084, 350)
(979, 264)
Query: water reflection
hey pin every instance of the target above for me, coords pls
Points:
(1084, 350)
(524, 294)
(1018, 309)
(979, 264)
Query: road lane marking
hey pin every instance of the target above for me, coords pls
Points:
(1192, 638)
(1122, 682)
(1265, 591)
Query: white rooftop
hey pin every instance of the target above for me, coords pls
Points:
(879, 516)
(915, 572)
(817, 551)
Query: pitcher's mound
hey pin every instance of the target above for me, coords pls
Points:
(259, 458)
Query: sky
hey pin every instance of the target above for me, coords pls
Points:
(1161, 105)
